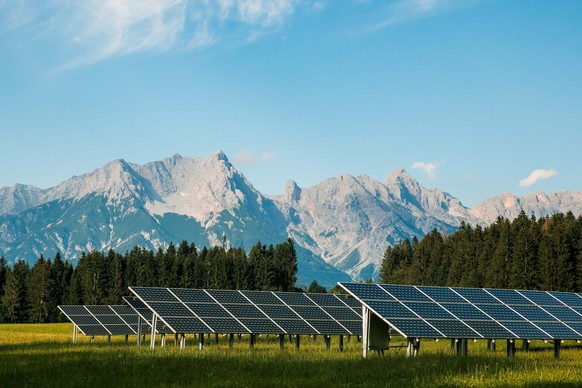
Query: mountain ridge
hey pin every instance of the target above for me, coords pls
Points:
(341, 225)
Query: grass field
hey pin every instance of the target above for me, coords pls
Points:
(44, 356)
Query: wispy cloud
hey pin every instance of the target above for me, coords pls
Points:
(408, 10)
(428, 168)
(100, 29)
(537, 175)
(247, 157)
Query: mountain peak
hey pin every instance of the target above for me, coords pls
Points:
(292, 191)
(399, 174)
(220, 155)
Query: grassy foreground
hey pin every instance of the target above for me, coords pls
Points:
(44, 356)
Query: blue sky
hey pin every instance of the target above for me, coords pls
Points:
(475, 97)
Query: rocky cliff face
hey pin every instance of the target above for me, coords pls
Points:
(341, 226)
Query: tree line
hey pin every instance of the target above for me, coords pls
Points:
(526, 253)
(31, 294)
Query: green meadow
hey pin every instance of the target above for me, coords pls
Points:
(43, 355)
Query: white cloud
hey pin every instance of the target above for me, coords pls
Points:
(537, 175)
(247, 157)
(407, 10)
(428, 168)
(99, 29)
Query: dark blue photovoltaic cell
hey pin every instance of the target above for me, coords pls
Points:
(107, 320)
(557, 330)
(154, 294)
(571, 299)
(343, 313)
(428, 310)
(225, 325)
(93, 330)
(533, 313)
(99, 309)
(355, 327)
(500, 312)
(122, 310)
(244, 311)
(278, 311)
(576, 326)
(563, 313)
(453, 328)
(227, 296)
(139, 307)
(541, 298)
(416, 328)
(74, 310)
(391, 309)
(261, 297)
(170, 309)
(294, 299)
(441, 294)
(328, 327)
(353, 302)
(325, 300)
(367, 291)
(465, 311)
(261, 326)
(186, 325)
(120, 329)
(192, 296)
(476, 295)
(311, 312)
(295, 326)
(208, 310)
(84, 320)
(524, 329)
(489, 329)
(130, 319)
(405, 293)
(509, 296)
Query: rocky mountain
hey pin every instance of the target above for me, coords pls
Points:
(341, 226)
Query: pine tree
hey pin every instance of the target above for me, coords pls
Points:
(116, 268)
(14, 298)
(39, 292)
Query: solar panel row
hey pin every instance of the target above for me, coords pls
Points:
(454, 312)
(230, 311)
(102, 320)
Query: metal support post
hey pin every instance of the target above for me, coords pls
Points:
(557, 347)
(252, 341)
(92, 339)
(153, 335)
(510, 348)
(176, 340)
(341, 342)
(297, 341)
(525, 345)
(163, 340)
(491, 345)
(413, 347)
(74, 333)
(126, 338)
(327, 339)
(109, 338)
(201, 341)
(453, 343)
(182, 341)
(462, 346)
(365, 330)
(281, 341)
(230, 340)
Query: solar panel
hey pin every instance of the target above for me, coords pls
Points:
(457, 312)
(231, 311)
(101, 320)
